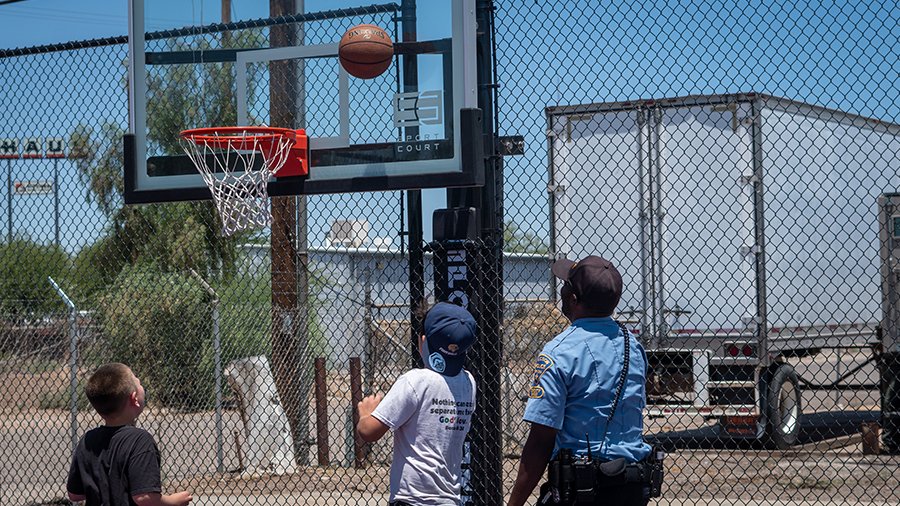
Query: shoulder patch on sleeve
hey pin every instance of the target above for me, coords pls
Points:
(543, 363)
(535, 392)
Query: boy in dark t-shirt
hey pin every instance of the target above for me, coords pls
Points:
(117, 464)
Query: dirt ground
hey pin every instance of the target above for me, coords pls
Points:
(828, 471)
(23, 391)
(304, 481)
(842, 475)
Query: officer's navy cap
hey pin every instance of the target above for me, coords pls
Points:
(595, 281)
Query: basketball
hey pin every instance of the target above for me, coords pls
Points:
(365, 51)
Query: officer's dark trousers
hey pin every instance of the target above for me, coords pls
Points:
(629, 494)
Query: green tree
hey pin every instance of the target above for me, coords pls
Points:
(154, 316)
(180, 97)
(172, 236)
(95, 266)
(246, 306)
(25, 266)
(518, 241)
(160, 324)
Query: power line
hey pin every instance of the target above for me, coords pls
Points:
(62, 15)
(79, 16)
(72, 19)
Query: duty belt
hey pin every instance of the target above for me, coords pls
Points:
(580, 479)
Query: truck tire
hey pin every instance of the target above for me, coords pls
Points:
(783, 408)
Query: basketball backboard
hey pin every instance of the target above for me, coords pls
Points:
(414, 126)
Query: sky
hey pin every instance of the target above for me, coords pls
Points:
(842, 55)
(30, 23)
(41, 22)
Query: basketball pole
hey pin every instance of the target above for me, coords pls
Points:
(487, 450)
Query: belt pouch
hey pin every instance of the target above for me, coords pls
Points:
(553, 474)
(634, 473)
(611, 473)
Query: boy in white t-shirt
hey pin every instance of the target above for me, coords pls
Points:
(430, 411)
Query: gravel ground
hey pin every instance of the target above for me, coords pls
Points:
(842, 474)
(36, 446)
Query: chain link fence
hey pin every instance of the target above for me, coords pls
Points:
(730, 160)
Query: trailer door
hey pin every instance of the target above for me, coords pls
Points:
(666, 194)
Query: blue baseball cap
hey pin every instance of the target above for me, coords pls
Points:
(449, 333)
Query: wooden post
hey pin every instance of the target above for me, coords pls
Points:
(237, 446)
(321, 412)
(359, 446)
(870, 433)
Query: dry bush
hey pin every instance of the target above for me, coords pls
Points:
(528, 327)
(390, 342)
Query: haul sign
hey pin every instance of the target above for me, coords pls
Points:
(33, 147)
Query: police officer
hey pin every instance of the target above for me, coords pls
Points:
(584, 405)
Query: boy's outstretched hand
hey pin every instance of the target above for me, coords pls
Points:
(368, 405)
(157, 499)
(370, 429)
(180, 498)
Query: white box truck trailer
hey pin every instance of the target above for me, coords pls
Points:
(745, 227)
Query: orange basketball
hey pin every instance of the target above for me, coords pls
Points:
(365, 51)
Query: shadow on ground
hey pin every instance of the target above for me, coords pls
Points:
(814, 427)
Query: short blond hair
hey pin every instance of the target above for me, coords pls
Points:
(110, 387)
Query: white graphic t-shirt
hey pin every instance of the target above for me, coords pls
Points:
(430, 415)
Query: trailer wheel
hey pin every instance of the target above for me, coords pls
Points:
(783, 410)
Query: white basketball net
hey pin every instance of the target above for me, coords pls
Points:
(237, 186)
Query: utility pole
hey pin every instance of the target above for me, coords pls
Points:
(301, 247)
(289, 292)
(9, 200)
(226, 18)
(414, 223)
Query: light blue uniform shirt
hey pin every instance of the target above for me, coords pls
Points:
(574, 387)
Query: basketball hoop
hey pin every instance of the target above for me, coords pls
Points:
(236, 164)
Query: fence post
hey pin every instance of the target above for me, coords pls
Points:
(73, 360)
(359, 446)
(217, 361)
(321, 412)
